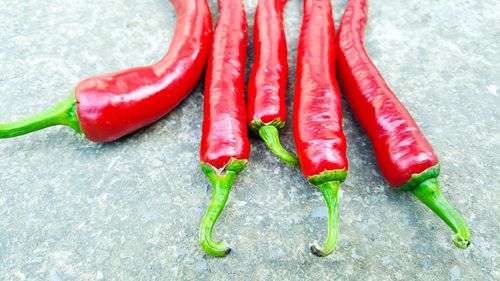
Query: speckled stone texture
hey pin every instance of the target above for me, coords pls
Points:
(130, 210)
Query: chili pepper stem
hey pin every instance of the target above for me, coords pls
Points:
(330, 191)
(428, 192)
(63, 113)
(270, 135)
(222, 186)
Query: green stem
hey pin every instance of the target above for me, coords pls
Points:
(63, 113)
(222, 181)
(270, 135)
(330, 192)
(428, 192)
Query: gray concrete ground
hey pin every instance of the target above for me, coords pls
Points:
(130, 210)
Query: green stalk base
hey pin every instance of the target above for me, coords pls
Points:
(330, 191)
(428, 193)
(328, 183)
(270, 135)
(63, 113)
(222, 181)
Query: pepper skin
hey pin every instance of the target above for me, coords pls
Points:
(268, 78)
(225, 147)
(320, 141)
(405, 156)
(107, 107)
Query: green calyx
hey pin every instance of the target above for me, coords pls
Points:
(327, 176)
(257, 123)
(63, 113)
(222, 180)
(425, 186)
(417, 179)
(330, 191)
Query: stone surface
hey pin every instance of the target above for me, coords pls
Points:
(130, 210)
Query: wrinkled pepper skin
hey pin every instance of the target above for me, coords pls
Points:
(107, 107)
(224, 134)
(224, 148)
(319, 138)
(405, 157)
(114, 105)
(268, 78)
(401, 148)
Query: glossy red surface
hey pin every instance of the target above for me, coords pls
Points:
(224, 134)
(113, 105)
(267, 84)
(400, 146)
(319, 138)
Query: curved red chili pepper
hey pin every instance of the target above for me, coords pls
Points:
(405, 157)
(107, 107)
(225, 147)
(320, 141)
(268, 78)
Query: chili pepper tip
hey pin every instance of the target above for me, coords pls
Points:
(270, 135)
(428, 193)
(63, 113)
(330, 194)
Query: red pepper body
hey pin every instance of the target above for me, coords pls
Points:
(268, 79)
(320, 141)
(400, 147)
(224, 134)
(111, 106)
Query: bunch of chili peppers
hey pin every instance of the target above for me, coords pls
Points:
(107, 107)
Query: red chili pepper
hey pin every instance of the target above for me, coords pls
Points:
(320, 141)
(267, 84)
(107, 107)
(225, 147)
(405, 157)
